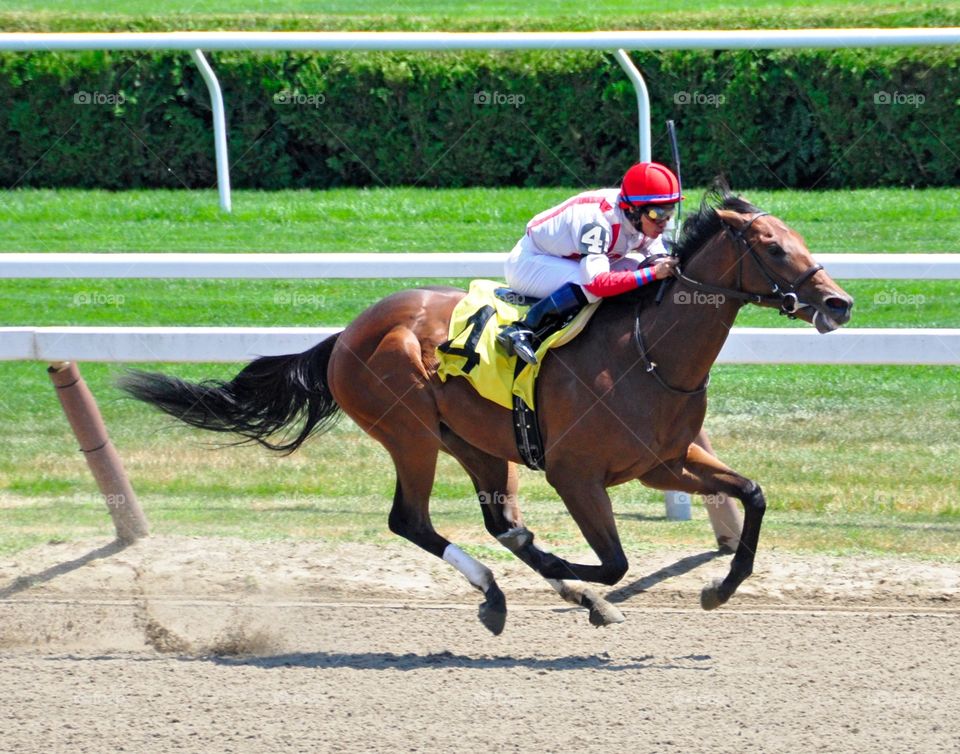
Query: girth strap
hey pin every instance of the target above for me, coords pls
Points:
(527, 431)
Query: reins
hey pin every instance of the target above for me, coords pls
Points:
(782, 294)
(650, 367)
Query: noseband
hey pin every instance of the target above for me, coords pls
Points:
(782, 294)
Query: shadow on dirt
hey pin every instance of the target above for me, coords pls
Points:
(22, 583)
(446, 660)
(682, 566)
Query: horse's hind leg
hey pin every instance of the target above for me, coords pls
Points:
(495, 481)
(410, 518)
(382, 393)
(703, 474)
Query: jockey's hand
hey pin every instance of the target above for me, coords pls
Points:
(665, 267)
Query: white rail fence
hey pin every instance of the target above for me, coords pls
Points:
(230, 344)
(62, 346)
(745, 345)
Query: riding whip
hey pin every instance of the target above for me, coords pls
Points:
(672, 133)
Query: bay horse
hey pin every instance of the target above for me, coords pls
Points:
(622, 401)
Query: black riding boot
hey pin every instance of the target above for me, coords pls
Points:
(517, 338)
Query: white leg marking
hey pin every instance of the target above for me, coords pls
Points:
(477, 573)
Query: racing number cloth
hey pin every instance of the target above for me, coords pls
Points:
(471, 351)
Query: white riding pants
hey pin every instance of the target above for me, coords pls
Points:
(533, 273)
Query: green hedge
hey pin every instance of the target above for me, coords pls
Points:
(782, 118)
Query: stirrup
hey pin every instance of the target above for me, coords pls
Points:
(516, 342)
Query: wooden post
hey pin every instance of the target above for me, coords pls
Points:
(102, 458)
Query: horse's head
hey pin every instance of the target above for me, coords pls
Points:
(758, 258)
(776, 265)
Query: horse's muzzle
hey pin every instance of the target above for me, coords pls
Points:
(833, 313)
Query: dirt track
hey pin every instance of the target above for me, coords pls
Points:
(205, 645)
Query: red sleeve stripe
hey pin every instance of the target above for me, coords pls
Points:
(608, 284)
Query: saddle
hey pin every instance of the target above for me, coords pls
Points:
(471, 352)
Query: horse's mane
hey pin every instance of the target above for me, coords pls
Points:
(697, 229)
(705, 223)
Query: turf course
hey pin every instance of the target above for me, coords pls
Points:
(428, 8)
(853, 459)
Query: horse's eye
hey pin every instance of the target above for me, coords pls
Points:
(775, 250)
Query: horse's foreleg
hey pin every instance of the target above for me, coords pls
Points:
(589, 505)
(703, 474)
(496, 483)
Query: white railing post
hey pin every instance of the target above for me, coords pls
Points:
(219, 128)
(643, 102)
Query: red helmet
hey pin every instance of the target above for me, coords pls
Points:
(649, 183)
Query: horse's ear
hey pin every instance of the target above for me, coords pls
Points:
(734, 219)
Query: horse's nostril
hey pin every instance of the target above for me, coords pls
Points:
(838, 304)
(838, 308)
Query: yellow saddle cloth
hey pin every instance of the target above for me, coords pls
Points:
(472, 352)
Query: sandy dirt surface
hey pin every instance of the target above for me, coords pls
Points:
(179, 644)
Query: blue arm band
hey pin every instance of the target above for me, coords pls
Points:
(644, 276)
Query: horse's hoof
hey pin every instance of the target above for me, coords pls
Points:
(516, 538)
(710, 598)
(493, 611)
(602, 613)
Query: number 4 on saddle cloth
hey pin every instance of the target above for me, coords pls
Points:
(471, 352)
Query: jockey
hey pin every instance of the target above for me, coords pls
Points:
(588, 248)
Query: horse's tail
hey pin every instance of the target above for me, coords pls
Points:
(268, 395)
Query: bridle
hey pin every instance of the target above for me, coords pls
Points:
(783, 295)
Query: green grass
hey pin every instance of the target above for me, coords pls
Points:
(438, 15)
(408, 219)
(289, 303)
(436, 8)
(853, 459)
(401, 220)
